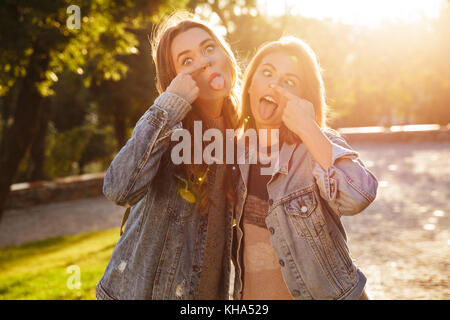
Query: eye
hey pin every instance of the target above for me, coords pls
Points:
(290, 83)
(267, 73)
(187, 61)
(209, 48)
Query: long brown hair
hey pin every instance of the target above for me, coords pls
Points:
(162, 37)
(312, 87)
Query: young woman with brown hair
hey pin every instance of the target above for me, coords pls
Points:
(289, 240)
(177, 241)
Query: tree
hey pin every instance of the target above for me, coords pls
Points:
(36, 46)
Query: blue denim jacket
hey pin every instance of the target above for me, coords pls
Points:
(305, 206)
(160, 254)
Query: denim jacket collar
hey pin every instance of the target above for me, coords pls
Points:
(305, 206)
(285, 156)
(283, 165)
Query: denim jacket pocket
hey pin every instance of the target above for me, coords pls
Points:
(304, 214)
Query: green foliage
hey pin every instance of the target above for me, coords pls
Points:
(42, 24)
(38, 270)
(65, 149)
(163, 8)
(76, 59)
(100, 148)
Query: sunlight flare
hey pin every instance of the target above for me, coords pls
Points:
(370, 12)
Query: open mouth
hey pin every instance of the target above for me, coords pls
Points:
(216, 81)
(267, 107)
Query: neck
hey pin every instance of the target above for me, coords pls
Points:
(211, 109)
(269, 135)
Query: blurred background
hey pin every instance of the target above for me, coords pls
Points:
(69, 100)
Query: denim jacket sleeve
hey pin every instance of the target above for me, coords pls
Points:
(347, 185)
(134, 167)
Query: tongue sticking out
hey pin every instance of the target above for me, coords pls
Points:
(217, 83)
(266, 109)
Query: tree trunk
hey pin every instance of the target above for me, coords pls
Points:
(37, 152)
(18, 136)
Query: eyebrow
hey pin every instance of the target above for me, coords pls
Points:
(187, 51)
(289, 74)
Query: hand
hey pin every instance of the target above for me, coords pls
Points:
(184, 85)
(298, 114)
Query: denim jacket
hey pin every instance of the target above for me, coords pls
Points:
(160, 254)
(305, 206)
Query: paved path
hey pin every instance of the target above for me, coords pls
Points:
(57, 219)
(401, 242)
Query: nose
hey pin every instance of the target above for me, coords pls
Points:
(208, 61)
(276, 81)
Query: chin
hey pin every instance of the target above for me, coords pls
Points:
(268, 124)
(214, 94)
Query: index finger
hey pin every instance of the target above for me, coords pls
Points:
(283, 92)
(194, 68)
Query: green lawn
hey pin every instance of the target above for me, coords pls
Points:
(39, 270)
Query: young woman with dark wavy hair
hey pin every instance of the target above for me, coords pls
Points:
(177, 240)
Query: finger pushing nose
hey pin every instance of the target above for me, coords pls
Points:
(207, 63)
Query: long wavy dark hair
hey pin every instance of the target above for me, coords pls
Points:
(162, 37)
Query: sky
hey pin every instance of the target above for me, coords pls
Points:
(360, 12)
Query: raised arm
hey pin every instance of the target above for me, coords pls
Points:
(344, 182)
(347, 185)
(134, 167)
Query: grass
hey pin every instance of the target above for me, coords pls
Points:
(39, 270)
